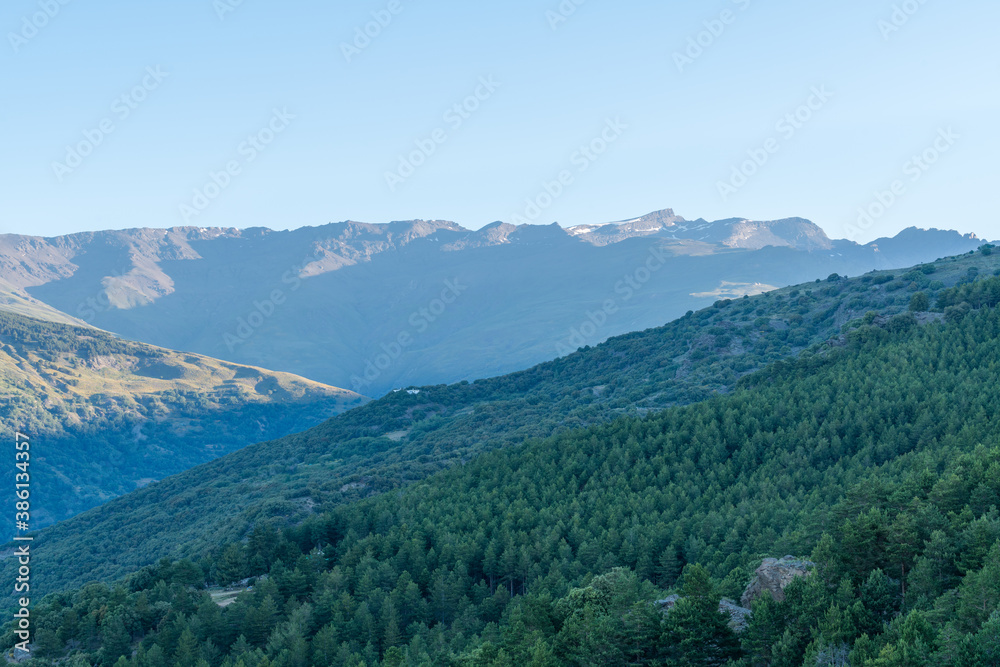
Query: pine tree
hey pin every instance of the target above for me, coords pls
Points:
(394, 657)
(115, 640)
(877, 603)
(324, 645)
(987, 642)
(697, 633)
(542, 655)
(920, 302)
(390, 622)
(231, 565)
(47, 644)
(979, 593)
(765, 629)
(155, 657)
(187, 654)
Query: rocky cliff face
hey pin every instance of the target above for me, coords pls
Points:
(347, 293)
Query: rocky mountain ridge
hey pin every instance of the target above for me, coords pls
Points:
(369, 307)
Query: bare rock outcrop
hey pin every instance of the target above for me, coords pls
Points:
(738, 616)
(773, 575)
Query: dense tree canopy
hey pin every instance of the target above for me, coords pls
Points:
(406, 437)
(876, 455)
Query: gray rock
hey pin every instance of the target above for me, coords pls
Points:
(773, 576)
(738, 616)
(667, 603)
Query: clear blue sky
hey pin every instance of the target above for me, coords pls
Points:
(686, 130)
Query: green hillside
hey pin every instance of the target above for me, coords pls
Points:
(109, 416)
(406, 437)
(876, 455)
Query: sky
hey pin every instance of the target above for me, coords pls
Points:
(865, 116)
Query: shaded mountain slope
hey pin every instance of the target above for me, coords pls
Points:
(108, 416)
(333, 302)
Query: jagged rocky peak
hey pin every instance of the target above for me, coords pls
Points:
(418, 228)
(662, 218)
(614, 232)
(393, 234)
(501, 233)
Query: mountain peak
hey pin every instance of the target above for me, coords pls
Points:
(665, 217)
(651, 224)
(797, 233)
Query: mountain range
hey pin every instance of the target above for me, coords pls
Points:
(377, 307)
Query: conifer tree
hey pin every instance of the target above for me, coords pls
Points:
(697, 633)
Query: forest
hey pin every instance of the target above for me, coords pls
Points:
(404, 438)
(875, 456)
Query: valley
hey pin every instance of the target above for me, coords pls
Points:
(116, 415)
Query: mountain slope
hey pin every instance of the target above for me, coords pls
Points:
(408, 435)
(15, 300)
(868, 455)
(377, 307)
(109, 416)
